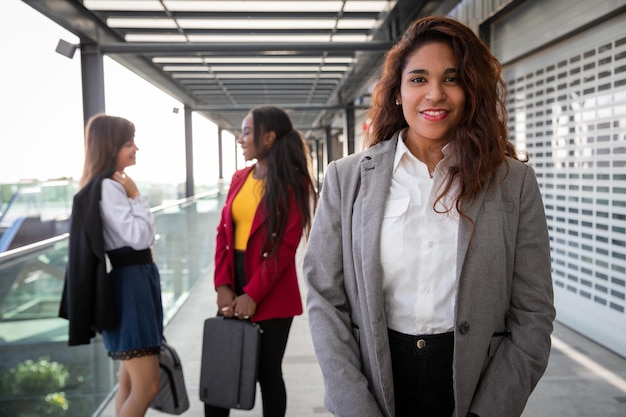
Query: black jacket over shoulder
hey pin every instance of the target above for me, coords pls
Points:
(87, 300)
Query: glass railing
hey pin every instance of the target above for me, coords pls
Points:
(40, 375)
(35, 211)
(32, 210)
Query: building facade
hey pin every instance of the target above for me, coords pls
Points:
(565, 67)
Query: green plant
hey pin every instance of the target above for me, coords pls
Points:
(34, 389)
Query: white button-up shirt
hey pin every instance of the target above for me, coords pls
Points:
(126, 221)
(419, 247)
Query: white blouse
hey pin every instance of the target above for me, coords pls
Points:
(127, 221)
(418, 249)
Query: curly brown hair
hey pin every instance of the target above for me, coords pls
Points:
(482, 133)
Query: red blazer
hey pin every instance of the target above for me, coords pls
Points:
(272, 284)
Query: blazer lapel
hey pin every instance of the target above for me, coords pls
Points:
(375, 171)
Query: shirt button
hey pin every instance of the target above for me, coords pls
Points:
(431, 244)
(424, 328)
(227, 247)
(427, 290)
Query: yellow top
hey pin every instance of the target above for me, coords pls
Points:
(244, 208)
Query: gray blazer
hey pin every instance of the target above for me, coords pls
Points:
(504, 284)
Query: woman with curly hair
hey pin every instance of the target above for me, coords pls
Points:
(428, 265)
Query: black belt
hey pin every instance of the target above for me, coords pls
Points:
(421, 342)
(127, 256)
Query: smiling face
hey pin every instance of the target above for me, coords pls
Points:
(432, 100)
(246, 140)
(126, 155)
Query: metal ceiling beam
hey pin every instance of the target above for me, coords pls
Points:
(196, 14)
(201, 107)
(167, 47)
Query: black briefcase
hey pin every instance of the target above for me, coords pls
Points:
(172, 397)
(230, 362)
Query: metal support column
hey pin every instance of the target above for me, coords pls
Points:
(92, 75)
(189, 184)
(219, 153)
(319, 160)
(329, 146)
(349, 120)
(237, 159)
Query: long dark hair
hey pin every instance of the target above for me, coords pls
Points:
(482, 133)
(288, 171)
(104, 137)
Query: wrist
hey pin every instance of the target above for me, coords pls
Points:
(224, 288)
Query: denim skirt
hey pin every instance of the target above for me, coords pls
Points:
(137, 290)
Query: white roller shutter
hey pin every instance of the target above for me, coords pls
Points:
(567, 110)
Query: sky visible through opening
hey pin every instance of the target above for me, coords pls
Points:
(41, 120)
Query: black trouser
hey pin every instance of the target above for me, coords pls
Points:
(422, 374)
(273, 344)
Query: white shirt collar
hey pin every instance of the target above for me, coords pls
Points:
(401, 149)
(450, 152)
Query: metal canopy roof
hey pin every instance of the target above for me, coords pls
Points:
(221, 58)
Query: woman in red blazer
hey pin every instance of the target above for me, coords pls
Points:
(266, 211)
